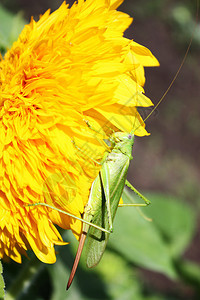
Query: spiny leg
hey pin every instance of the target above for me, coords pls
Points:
(101, 141)
(85, 154)
(70, 215)
(137, 206)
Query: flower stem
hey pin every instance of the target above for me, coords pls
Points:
(24, 280)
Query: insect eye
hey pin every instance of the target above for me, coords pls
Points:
(129, 136)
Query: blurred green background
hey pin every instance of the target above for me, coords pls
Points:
(144, 260)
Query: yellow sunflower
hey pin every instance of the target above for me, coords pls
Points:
(66, 82)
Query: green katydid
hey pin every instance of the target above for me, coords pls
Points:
(104, 199)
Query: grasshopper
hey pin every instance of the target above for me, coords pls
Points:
(105, 194)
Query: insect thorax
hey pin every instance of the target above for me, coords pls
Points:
(123, 142)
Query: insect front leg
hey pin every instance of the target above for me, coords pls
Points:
(85, 154)
(147, 202)
(128, 184)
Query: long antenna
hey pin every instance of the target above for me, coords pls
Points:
(179, 69)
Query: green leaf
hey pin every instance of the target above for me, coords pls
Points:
(113, 278)
(10, 27)
(189, 272)
(120, 278)
(139, 241)
(87, 283)
(175, 220)
(2, 284)
(59, 274)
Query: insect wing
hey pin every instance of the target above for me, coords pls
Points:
(97, 240)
